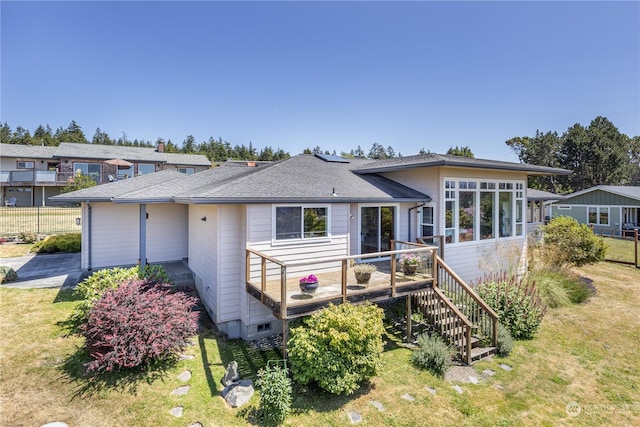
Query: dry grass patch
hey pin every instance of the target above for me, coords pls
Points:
(13, 250)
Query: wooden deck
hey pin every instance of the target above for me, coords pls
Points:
(332, 290)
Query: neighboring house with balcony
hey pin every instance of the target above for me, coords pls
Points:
(32, 174)
(250, 231)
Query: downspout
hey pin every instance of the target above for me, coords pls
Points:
(409, 217)
(88, 225)
(143, 236)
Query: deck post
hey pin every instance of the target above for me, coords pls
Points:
(263, 280)
(434, 254)
(344, 281)
(285, 338)
(283, 292)
(393, 270)
(409, 325)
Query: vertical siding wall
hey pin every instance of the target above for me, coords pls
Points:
(203, 254)
(167, 232)
(114, 234)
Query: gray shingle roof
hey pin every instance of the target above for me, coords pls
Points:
(132, 154)
(27, 151)
(620, 190)
(432, 159)
(107, 192)
(303, 178)
(533, 194)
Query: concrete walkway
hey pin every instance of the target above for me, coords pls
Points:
(45, 270)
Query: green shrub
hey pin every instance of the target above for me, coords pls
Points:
(518, 304)
(27, 237)
(338, 347)
(7, 274)
(58, 243)
(567, 243)
(94, 287)
(432, 354)
(275, 394)
(505, 341)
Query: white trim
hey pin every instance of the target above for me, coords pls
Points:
(302, 239)
(396, 224)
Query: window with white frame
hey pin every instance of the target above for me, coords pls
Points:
(598, 215)
(301, 222)
(427, 221)
(24, 165)
(483, 209)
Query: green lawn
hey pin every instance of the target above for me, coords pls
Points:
(585, 354)
(42, 220)
(620, 249)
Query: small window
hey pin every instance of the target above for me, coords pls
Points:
(564, 207)
(264, 327)
(188, 171)
(297, 222)
(146, 168)
(25, 165)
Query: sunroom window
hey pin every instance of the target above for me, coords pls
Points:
(482, 210)
(300, 222)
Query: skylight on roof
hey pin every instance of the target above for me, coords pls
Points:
(332, 158)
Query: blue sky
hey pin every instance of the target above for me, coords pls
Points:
(293, 75)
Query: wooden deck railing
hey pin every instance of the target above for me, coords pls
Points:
(264, 271)
(467, 301)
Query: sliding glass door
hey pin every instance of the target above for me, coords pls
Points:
(377, 228)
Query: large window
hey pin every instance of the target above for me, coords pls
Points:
(300, 222)
(598, 215)
(93, 170)
(146, 168)
(482, 210)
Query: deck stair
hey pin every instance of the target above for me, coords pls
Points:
(459, 315)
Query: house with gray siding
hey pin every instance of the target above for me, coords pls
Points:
(307, 213)
(603, 206)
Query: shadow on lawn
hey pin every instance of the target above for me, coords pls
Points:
(127, 380)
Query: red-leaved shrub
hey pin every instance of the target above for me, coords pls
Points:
(138, 323)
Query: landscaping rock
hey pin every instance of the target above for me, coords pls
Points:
(238, 393)
(377, 405)
(181, 391)
(187, 357)
(458, 389)
(408, 397)
(474, 380)
(231, 374)
(7, 274)
(56, 424)
(431, 390)
(505, 367)
(354, 417)
(185, 376)
(489, 372)
(177, 411)
(195, 425)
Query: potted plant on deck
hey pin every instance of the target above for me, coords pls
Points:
(363, 272)
(309, 284)
(409, 264)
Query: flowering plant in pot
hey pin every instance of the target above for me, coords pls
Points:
(309, 284)
(363, 272)
(409, 263)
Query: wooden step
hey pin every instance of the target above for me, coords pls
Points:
(480, 353)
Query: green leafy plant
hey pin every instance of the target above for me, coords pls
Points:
(432, 354)
(505, 341)
(565, 243)
(275, 394)
(518, 304)
(137, 324)
(70, 242)
(561, 288)
(338, 347)
(7, 274)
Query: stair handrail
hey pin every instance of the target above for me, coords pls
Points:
(469, 291)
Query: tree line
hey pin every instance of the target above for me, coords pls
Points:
(598, 154)
(216, 150)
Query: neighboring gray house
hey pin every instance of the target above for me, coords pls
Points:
(299, 212)
(31, 174)
(603, 206)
